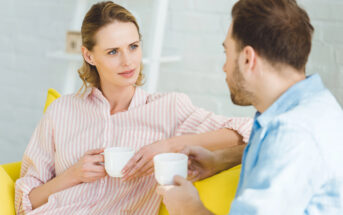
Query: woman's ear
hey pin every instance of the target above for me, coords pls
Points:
(87, 55)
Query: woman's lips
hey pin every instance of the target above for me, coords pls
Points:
(127, 74)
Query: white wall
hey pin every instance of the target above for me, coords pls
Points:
(29, 30)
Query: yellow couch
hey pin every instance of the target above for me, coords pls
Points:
(216, 192)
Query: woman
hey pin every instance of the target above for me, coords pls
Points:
(61, 169)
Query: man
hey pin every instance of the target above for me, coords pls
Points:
(293, 161)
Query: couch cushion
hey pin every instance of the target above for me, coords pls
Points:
(217, 192)
(7, 193)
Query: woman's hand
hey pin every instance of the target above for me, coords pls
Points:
(88, 168)
(141, 164)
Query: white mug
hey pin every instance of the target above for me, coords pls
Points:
(115, 160)
(167, 165)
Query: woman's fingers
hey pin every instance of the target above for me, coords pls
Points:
(143, 171)
(136, 168)
(132, 162)
(93, 176)
(97, 168)
(149, 172)
(95, 151)
(98, 158)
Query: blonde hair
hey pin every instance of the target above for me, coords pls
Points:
(100, 15)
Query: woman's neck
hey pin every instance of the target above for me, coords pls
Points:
(119, 98)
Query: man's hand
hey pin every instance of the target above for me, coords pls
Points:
(182, 199)
(202, 163)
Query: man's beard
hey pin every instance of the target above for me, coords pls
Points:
(239, 94)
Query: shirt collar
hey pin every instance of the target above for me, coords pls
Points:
(139, 98)
(293, 96)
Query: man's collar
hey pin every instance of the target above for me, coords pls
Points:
(293, 96)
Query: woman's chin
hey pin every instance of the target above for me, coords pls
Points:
(129, 82)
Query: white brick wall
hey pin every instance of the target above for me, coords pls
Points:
(195, 30)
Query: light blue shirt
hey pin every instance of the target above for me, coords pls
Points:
(293, 163)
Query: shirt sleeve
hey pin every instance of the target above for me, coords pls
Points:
(191, 119)
(283, 176)
(37, 165)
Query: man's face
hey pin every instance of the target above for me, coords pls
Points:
(234, 77)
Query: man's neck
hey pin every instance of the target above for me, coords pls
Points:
(274, 84)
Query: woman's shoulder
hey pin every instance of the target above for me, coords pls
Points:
(64, 102)
(168, 96)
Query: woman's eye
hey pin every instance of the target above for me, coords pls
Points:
(113, 52)
(133, 46)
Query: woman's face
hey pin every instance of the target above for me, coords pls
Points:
(117, 54)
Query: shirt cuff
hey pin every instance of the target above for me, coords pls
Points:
(242, 126)
(23, 187)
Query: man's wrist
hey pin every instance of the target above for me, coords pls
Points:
(229, 157)
(219, 162)
(200, 209)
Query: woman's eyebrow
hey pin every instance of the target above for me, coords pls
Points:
(118, 48)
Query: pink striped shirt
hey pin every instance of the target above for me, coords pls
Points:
(73, 125)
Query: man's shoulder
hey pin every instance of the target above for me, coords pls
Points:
(318, 119)
(318, 111)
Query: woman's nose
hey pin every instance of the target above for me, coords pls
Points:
(126, 59)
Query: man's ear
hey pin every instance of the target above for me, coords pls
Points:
(249, 58)
(87, 55)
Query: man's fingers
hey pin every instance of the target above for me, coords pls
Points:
(193, 151)
(193, 175)
(163, 189)
(185, 150)
(195, 178)
(179, 180)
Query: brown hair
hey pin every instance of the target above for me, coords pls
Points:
(279, 30)
(100, 15)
